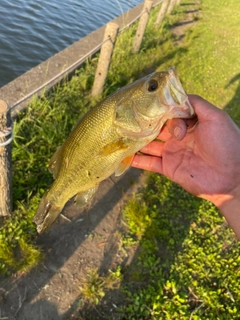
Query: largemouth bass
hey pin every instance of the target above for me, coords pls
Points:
(107, 137)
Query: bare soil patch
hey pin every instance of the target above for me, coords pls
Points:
(83, 240)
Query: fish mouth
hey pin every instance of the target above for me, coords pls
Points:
(183, 110)
(176, 98)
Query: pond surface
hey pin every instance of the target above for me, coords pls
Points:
(32, 31)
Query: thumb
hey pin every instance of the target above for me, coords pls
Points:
(177, 128)
(205, 110)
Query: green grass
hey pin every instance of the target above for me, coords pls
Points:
(187, 265)
(187, 257)
(187, 262)
(94, 287)
(45, 125)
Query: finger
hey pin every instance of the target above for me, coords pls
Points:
(147, 163)
(154, 148)
(174, 127)
(164, 134)
(203, 108)
(177, 128)
(191, 123)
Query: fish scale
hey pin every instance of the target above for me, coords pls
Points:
(105, 140)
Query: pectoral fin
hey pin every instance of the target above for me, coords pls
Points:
(112, 147)
(55, 162)
(124, 165)
(83, 198)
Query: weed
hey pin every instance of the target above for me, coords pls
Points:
(95, 286)
(187, 262)
(186, 265)
(92, 289)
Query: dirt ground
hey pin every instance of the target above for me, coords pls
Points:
(83, 240)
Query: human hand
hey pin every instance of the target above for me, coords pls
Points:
(205, 160)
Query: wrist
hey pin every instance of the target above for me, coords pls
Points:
(229, 205)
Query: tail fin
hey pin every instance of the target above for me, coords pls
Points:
(46, 213)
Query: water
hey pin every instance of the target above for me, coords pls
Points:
(32, 31)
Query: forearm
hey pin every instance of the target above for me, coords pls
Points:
(229, 205)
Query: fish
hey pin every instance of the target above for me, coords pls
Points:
(106, 139)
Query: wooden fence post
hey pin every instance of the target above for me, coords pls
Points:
(171, 6)
(142, 25)
(110, 36)
(5, 160)
(162, 12)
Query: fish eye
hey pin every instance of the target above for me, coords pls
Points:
(152, 85)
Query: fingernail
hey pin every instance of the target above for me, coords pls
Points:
(177, 131)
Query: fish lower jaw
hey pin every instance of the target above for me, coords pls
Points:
(180, 111)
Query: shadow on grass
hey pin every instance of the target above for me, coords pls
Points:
(192, 11)
(233, 106)
(167, 217)
(59, 244)
(183, 23)
(188, 4)
(168, 221)
(63, 240)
